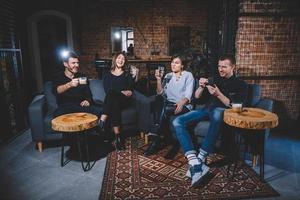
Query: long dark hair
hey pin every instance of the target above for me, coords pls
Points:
(114, 65)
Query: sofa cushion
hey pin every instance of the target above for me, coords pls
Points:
(50, 97)
(97, 89)
(254, 95)
(201, 129)
(129, 116)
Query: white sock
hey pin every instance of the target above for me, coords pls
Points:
(192, 159)
(202, 155)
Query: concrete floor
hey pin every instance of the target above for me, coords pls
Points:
(27, 174)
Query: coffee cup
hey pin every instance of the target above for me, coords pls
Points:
(82, 80)
(237, 107)
(161, 71)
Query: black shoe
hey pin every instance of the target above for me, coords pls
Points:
(172, 152)
(120, 143)
(154, 147)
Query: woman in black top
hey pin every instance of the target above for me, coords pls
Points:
(118, 86)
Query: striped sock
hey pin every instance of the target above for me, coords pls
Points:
(192, 159)
(202, 155)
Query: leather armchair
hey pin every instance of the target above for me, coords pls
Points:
(42, 107)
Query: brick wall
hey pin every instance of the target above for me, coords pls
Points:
(143, 17)
(268, 48)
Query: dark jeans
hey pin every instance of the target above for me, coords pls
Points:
(114, 103)
(73, 108)
(163, 110)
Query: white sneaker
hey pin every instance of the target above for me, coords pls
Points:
(198, 172)
(188, 172)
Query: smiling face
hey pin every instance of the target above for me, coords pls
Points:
(225, 68)
(120, 61)
(176, 65)
(72, 65)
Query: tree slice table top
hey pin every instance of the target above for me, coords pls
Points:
(251, 118)
(74, 122)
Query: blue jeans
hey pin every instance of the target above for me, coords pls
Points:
(215, 116)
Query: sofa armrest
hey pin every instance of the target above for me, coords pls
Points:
(36, 112)
(143, 104)
(266, 104)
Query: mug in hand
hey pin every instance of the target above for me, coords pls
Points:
(82, 80)
(237, 107)
(133, 71)
(161, 70)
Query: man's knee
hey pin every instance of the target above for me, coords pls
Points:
(217, 114)
(178, 122)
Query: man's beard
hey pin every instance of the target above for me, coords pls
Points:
(73, 70)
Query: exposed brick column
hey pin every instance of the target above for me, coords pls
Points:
(268, 48)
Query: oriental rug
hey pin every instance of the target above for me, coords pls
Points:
(131, 175)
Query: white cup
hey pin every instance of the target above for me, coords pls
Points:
(133, 71)
(161, 71)
(237, 107)
(82, 80)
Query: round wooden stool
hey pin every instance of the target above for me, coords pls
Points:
(252, 122)
(78, 125)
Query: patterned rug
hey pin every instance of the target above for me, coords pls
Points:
(130, 175)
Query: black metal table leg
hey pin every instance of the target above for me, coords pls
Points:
(82, 140)
(262, 155)
(63, 162)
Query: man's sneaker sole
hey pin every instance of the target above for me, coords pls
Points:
(205, 170)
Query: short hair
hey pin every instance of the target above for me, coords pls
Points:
(182, 58)
(229, 57)
(71, 54)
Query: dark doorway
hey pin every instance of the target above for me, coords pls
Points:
(52, 39)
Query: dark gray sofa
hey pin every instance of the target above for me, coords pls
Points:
(200, 130)
(41, 110)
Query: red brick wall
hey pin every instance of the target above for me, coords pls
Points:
(268, 44)
(141, 16)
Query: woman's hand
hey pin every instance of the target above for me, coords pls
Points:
(214, 90)
(157, 74)
(203, 82)
(127, 93)
(179, 106)
(85, 103)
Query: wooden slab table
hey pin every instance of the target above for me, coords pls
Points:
(78, 125)
(255, 120)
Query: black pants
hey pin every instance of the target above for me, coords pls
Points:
(163, 110)
(72, 108)
(114, 103)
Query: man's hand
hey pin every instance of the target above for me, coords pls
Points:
(127, 93)
(214, 90)
(203, 82)
(84, 103)
(74, 82)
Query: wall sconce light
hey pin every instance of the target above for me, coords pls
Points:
(117, 35)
